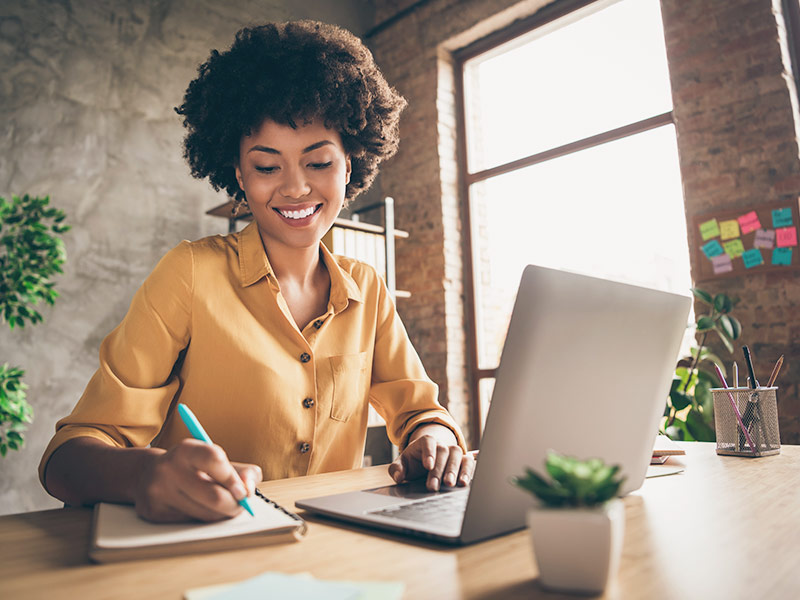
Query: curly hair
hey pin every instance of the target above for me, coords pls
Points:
(289, 72)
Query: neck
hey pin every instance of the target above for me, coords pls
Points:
(298, 266)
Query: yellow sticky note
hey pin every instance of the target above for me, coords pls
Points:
(734, 248)
(709, 229)
(729, 229)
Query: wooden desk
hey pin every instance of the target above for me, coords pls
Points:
(727, 527)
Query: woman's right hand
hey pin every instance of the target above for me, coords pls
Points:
(193, 481)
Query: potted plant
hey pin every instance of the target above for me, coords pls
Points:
(690, 407)
(31, 254)
(578, 523)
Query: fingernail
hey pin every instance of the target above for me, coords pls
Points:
(239, 492)
(450, 479)
(435, 483)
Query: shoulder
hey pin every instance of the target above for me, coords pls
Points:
(364, 275)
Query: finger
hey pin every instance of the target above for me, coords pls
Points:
(397, 469)
(428, 452)
(453, 465)
(203, 464)
(204, 507)
(467, 469)
(251, 475)
(435, 473)
(216, 465)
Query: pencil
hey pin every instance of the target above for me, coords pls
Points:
(775, 371)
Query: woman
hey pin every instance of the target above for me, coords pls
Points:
(276, 345)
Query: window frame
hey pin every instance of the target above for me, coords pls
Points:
(543, 17)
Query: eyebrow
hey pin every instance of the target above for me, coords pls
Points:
(268, 150)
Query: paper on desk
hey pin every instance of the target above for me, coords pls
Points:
(298, 587)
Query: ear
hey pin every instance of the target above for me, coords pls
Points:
(239, 176)
(348, 171)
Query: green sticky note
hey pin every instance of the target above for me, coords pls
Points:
(782, 217)
(712, 249)
(782, 256)
(752, 258)
(709, 229)
(734, 248)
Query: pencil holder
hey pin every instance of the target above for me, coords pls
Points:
(746, 421)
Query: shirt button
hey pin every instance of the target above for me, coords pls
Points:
(308, 402)
(317, 323)
(305, 447)
(305, 357)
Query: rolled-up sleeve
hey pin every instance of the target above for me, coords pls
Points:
(401, 391)
(127, 399)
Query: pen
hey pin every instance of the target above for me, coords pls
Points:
(775, 371)
(198, 433)
(735, 410)
(749, 362)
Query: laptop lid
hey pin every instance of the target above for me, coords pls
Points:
(585, 370)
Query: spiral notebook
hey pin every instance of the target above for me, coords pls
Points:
(119, 534)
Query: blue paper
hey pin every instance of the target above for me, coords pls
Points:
(782, 217)
(712, 249)
(752, 258)
(782, 256)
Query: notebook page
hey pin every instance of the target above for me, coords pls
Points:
(118, 526)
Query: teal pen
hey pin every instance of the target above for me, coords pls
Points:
(198, 433)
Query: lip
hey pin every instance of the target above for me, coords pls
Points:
(317, 206)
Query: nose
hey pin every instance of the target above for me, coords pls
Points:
(294, 184)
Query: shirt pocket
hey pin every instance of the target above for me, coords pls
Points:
(349, 373)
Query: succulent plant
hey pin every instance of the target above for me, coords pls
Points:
(573, 482)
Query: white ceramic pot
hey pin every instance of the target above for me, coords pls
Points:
(577, 549)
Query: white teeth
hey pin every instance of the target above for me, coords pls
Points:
(298, 214)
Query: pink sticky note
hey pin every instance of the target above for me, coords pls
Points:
(722, 264)
(749, 222)
(786, 236)
(765, 238)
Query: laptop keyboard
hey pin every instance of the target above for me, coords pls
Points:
(445, 510)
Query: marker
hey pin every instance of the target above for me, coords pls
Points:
(736, 410)
(749, 362)
(198, 433)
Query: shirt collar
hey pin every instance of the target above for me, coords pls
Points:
(254, 265)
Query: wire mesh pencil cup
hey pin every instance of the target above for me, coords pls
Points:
(758, 411)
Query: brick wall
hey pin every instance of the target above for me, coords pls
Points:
(736, 117)
(735, 113)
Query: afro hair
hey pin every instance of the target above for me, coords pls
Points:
(290, 73)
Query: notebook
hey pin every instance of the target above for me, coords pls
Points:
(119, 534)
(585, 370)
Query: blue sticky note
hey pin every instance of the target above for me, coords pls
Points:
(712, 249)
(752, 258)
(782, 217)
(782, 256)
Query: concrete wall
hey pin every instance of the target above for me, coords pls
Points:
(87, 90)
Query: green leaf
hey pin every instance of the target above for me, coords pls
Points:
(725, 340)
(703, 296)
(700, 430)
(726, 325)
(705, 324)
(722, 303)
(736, 326)
(679, 400)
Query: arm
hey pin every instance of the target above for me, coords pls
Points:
(100, 453)
(192, 480)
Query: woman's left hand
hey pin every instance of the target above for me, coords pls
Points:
(433, 450)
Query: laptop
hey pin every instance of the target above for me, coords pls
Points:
(585, 370)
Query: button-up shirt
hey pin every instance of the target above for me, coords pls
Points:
(210, 328)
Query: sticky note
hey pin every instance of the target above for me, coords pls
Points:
(752, 258)
(782, 256)
(729, 229)
(709, 229)
(782, 217)
(712, 249)
(734, 248)
(786, 236)
(722, 264)
(749, 222)
(765, 238)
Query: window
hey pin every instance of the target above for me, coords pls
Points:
(571, 161)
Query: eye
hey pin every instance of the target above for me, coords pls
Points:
(266, 169)
(321, 165)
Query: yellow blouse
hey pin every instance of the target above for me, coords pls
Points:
(210, 328)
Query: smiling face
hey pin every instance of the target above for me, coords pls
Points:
(294, 181)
